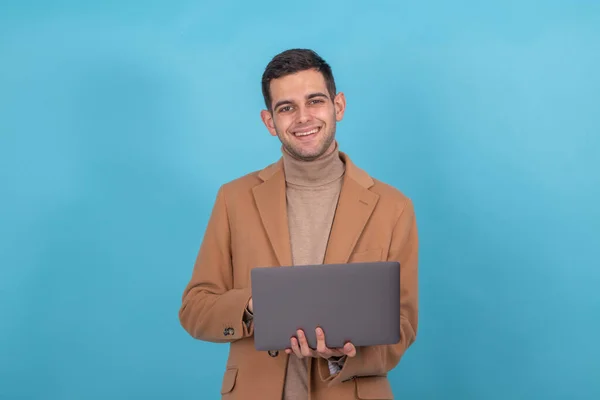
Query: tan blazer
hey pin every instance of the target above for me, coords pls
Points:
(248, 227)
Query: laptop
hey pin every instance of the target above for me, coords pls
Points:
(355, 302)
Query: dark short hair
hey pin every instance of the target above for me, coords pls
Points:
(290, 62)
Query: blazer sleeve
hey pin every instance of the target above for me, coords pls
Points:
(212, 310)
(379, 360)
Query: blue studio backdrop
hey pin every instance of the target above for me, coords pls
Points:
(120, 120)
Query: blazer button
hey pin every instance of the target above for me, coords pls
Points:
(228, 332)
(273, 353)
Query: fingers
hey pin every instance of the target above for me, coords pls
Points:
(300, 348)
(321, 347)
(349, 350)
(295, 348)
(304, 349)
(323, 350)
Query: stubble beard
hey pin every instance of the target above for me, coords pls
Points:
(302, 157)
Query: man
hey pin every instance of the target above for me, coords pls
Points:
(313, 206)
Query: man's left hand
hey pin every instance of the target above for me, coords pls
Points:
(300, 348)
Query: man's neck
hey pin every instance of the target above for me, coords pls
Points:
(321, 171)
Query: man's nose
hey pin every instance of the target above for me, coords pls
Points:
(303, 115)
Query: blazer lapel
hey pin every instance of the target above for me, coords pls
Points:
(270, 200)
(355, 206)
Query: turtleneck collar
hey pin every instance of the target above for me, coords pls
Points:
(313, 173)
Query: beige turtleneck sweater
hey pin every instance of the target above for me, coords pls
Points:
(312, 190)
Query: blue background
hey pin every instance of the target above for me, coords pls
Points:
(119, 121)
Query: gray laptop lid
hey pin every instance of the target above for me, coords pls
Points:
(357, 302)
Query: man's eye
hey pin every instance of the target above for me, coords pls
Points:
(315, 101)
(285, 109)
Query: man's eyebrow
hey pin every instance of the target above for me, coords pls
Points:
(310, 96)
(280, 103)
(317, 94)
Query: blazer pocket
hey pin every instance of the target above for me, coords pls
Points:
(371, 255)
(373, 388)
(229, 380)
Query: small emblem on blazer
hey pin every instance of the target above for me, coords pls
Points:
(228, 332)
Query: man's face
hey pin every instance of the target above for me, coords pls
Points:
(304, 115)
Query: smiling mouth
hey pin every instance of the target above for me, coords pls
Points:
(307, 133)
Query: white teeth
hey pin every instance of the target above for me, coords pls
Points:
(307, 133)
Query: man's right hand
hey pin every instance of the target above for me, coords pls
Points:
(250, 308)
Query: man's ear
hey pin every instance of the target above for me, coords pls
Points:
(267, 119)
(339, 101)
